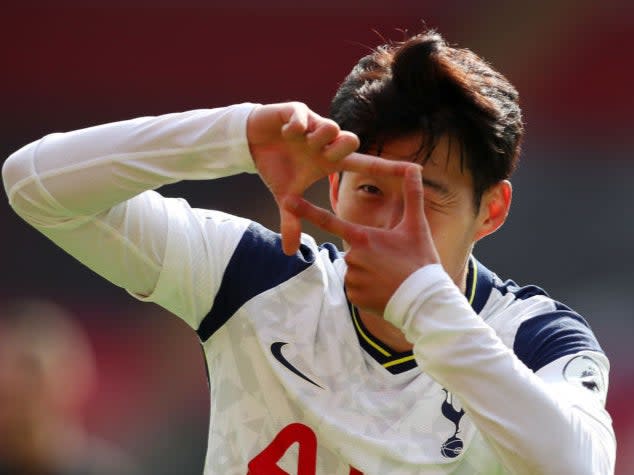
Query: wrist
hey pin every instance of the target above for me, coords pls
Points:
(414, 288)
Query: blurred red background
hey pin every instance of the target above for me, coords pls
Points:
(67, 65)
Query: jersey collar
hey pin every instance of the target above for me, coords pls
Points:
(478, 288)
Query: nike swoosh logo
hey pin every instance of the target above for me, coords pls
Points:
(276, 350)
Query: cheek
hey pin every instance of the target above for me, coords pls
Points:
(355, 211)
(452, 236)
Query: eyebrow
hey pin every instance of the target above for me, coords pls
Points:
(436, 186)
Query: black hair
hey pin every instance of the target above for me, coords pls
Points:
(424, 86)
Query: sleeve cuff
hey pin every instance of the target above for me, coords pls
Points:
(416, 288)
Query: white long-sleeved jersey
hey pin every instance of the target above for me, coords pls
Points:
(501, 380)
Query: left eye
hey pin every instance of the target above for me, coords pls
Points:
(371, 189)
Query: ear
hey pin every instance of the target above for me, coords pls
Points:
(334, 180)
(494, 208)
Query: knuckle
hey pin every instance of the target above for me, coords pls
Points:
(298, 105)
(331, 125)
(324, 219)
(417, 193)
(359, 236)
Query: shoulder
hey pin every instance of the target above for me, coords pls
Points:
(538, 328)
(258, 265)
(260, 250)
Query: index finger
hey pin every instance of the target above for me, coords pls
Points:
(414, 210)
(324, 219)
(373, 165)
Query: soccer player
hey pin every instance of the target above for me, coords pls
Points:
(402, 354)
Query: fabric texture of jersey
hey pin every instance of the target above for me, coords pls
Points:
(502, 379)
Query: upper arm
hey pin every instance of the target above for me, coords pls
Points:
(579, 382)
(563, 351)
(198, 245)
(158, 249)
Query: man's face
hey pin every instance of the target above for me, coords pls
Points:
(377, 201)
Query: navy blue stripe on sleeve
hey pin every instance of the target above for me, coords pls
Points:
(333, 252)
(545, 338)
(257, 265)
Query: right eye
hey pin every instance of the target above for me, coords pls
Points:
(370, 189)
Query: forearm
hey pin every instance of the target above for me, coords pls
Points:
(87, 191)
(84, 172)
(532, 430)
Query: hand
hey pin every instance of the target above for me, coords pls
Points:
(293, 147)
(379, 260)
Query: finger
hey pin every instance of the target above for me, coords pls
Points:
(291, 229)
(324, 220)
(324, 132)
(344, 144)
(372, 165)
(414, 205)
(295, 119)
